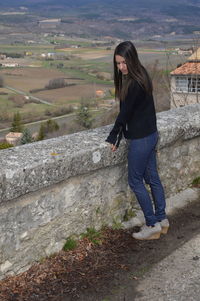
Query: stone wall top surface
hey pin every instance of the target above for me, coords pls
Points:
(33, 166)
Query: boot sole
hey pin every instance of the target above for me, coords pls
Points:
(153, 236)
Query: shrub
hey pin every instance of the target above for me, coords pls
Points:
(4, 145)
(51, 126)
(104, 76)
(60, 65)
(6, 116)
(84, 117)
(60, 111)
(47, 127)
(196, 182)
(1, 81)
(19, 100)
(41, 134)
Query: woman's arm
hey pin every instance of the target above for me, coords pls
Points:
(125, 114)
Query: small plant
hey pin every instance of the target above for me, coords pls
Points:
(70, 244)
(129, 213)
(93, 236)
(116, 225)
(196, 182)
(98, 210)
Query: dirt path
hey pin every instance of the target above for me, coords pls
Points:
(30, 96)
(161, 270)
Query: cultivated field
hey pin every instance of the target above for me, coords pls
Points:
(80, 67)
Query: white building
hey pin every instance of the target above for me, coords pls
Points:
(13, 138)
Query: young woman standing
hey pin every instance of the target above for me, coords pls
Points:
(137, 122)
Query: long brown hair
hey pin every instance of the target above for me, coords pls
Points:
(136, 71)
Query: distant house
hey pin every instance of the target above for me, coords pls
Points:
(100, 93)
(182, 51)
(10, 65)
(13, 138)
(28, 53)
(2, 56)
(185, 82)
(48, 55)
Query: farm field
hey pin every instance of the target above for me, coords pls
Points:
(85, 70)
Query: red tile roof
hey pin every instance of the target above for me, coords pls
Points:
(187, 69)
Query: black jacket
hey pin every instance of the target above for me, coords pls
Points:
(137, 116)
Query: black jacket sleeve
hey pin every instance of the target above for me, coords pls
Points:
(125, 114)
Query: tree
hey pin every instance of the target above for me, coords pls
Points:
(47, 127)
(1, 81)
(41, 134)
(56, 83)
(26, 138)
(84, 117)
(51, 126)
(17, 125)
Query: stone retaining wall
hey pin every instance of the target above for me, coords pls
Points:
(59, 187)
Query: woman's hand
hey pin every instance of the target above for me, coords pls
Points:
(113, 148)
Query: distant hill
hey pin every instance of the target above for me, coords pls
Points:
(127, 19)
(193, 6)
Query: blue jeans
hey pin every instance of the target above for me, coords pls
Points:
(142, 167)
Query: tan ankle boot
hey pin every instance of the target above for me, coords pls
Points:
(148, 232)
(164, 225)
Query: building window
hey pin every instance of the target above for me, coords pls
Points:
(188, 84)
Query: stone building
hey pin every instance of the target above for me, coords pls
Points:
(185, 82)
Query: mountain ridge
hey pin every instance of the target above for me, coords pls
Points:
(132, 19)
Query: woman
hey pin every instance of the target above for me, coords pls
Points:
(137, 122)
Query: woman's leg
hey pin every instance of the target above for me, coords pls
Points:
(138, 158)
(152, 178)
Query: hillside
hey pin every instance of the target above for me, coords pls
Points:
(133, 19)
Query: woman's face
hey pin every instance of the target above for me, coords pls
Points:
(121, 64)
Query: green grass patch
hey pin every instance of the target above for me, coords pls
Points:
(196, 182)
(21, 48)
(70, 244)
(81, 69)
(5, 103)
